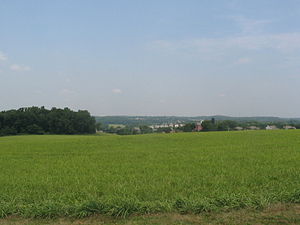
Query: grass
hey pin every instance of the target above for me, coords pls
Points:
(186, 173)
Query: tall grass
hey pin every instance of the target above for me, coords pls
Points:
(50, 176)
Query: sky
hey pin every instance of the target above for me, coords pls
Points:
(158, 57)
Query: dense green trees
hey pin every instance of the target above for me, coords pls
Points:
(35, 120)
(189, 127)
(209, 126)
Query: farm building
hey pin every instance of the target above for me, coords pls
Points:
(287, 127)
(253, 128)
(238, 128)
(271, 127)
(198, 126)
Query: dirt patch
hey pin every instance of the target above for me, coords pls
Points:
(279, 214)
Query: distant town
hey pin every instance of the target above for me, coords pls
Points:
(39, 120)
(130, 125)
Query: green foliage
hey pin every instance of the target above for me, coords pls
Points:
(209, 125)
(58, 175)
(164, 130)
(127, 130)
(189, 127)
(124, 131)
(34, 120)
(34, 129)
(145, 129)
(98, 126)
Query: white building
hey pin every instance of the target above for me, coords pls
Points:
(271, 127)
(287, 127)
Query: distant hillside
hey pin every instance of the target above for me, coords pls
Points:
(149, 120)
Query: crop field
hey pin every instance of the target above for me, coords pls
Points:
(59, 175)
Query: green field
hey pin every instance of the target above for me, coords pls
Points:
(49, 176)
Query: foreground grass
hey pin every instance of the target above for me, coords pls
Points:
(278, 214)
(77, 176)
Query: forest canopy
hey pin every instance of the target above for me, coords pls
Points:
(39, 120)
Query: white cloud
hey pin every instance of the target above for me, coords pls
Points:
(250, 25)
(243, 61)
(67, 92)
(68, 80)
(19, 68)
(222, 95)
(37, 92)
(117, 91)
(211, 48)
(2, 56)
(163, 44)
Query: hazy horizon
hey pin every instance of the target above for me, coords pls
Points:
(157, 115)
(160, 58)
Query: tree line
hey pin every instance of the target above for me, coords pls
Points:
(39, 120)
(207, 125)
(227, 125)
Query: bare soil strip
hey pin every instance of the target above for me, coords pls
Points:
(278, 214)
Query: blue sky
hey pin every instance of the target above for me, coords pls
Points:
(230, 57)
